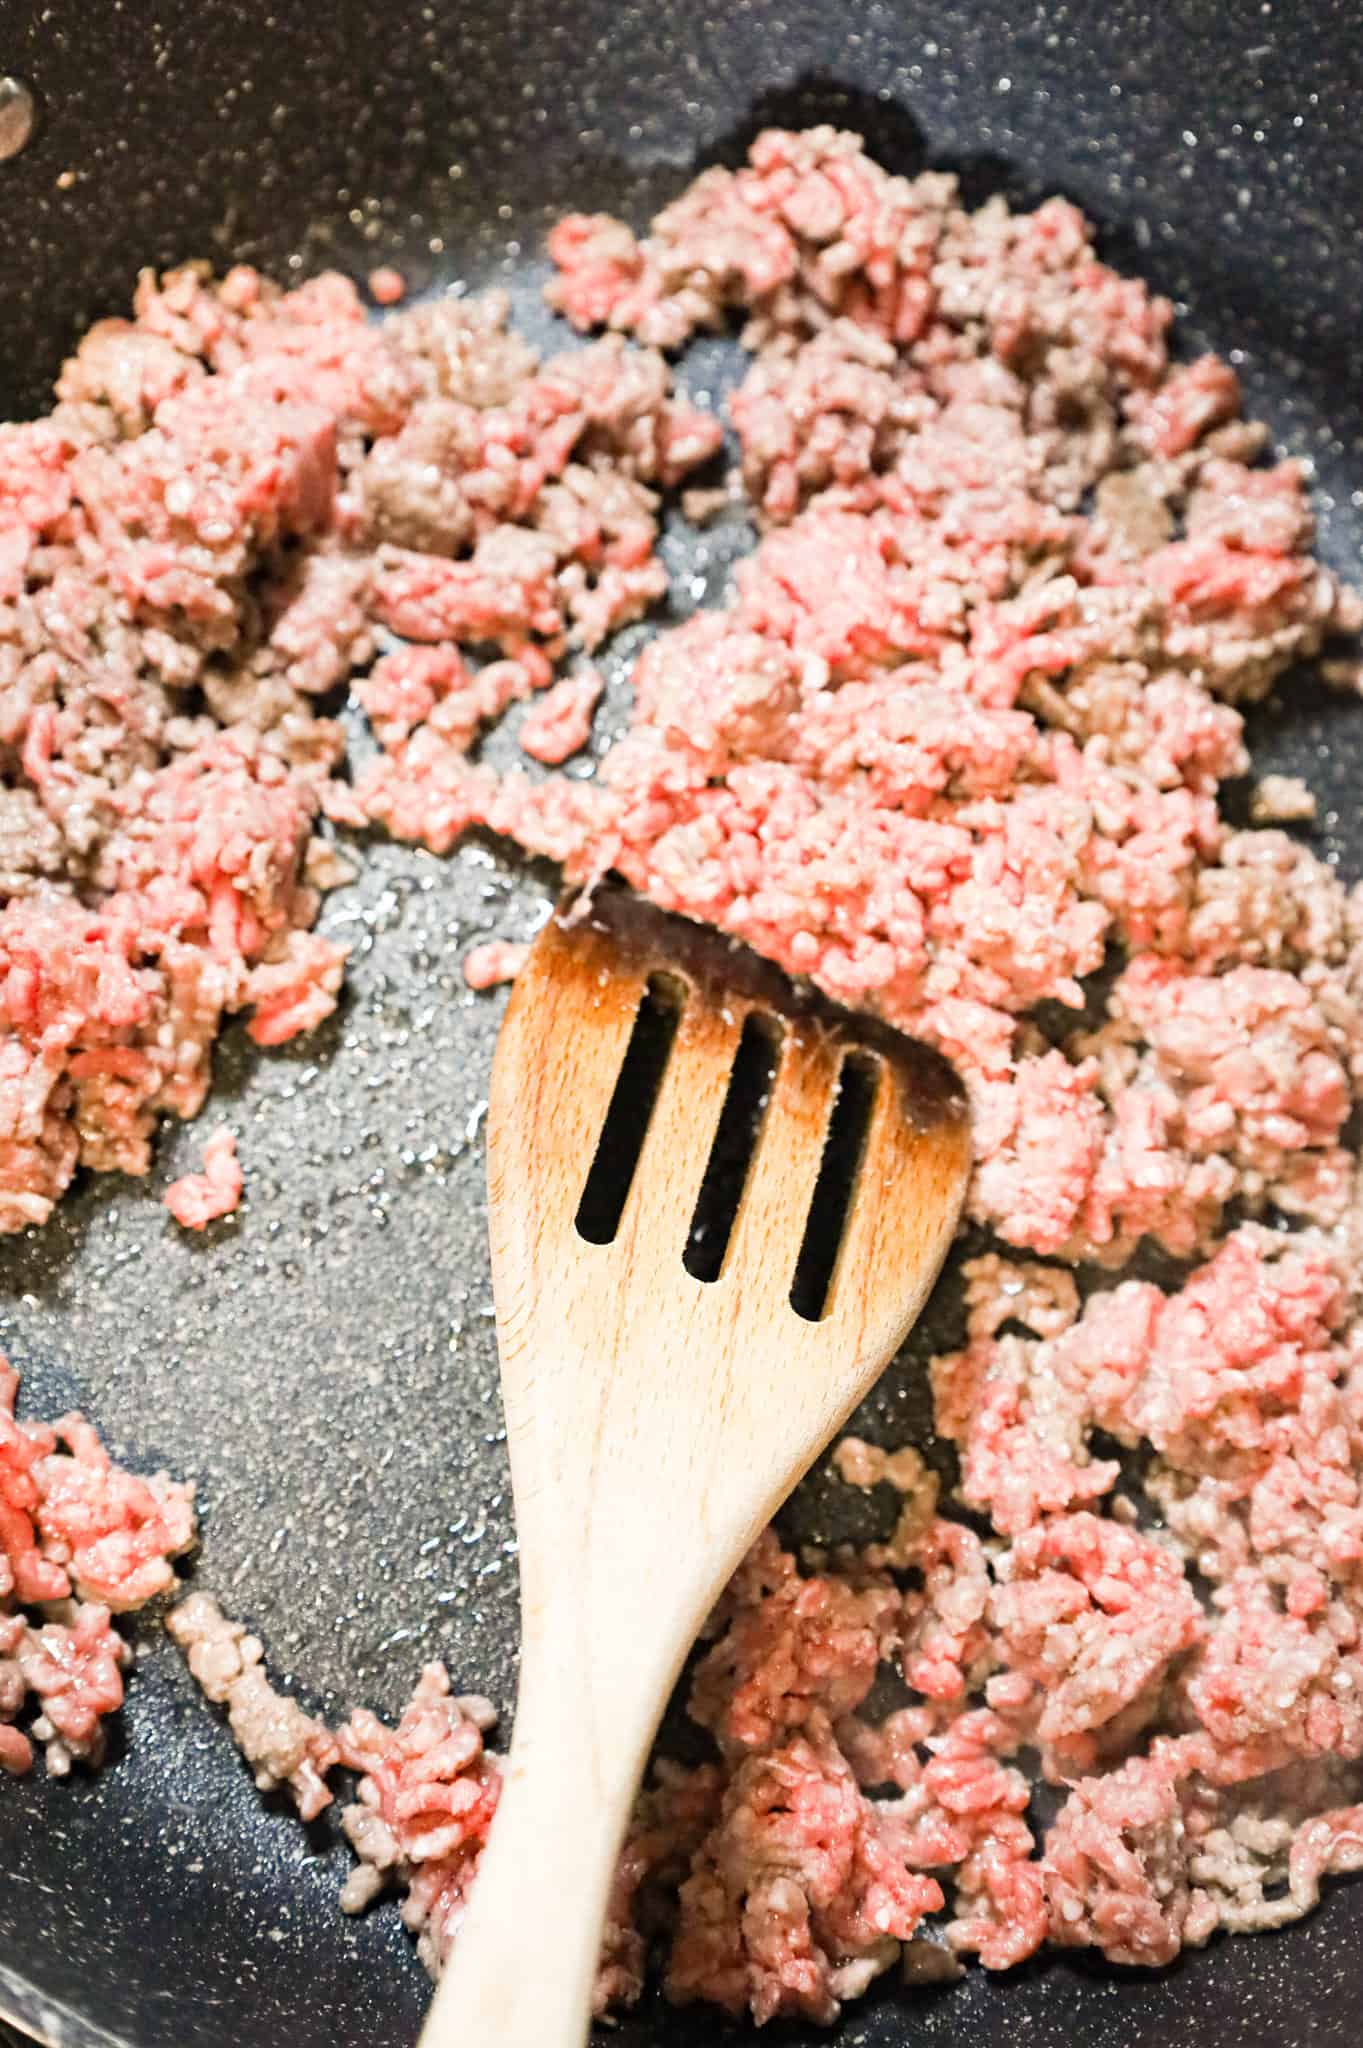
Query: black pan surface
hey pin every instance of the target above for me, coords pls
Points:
(324, 1363)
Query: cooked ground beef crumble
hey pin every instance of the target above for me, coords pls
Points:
(951, 747)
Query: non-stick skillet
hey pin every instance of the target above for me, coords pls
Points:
(324, 1366)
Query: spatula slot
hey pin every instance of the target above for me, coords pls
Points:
(631, 1105)
(844, 1144)
(736, 1138)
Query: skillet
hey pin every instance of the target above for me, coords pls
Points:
(324, 1365)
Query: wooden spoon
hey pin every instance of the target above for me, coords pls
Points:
(657, 1419)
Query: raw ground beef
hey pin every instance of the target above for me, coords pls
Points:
(80, 1541)
(956, 735)
(198, 1199)
(240, 496)
(498, 961)
(951, 747)
(425, 1793)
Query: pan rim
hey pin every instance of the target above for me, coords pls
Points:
(33, 2014)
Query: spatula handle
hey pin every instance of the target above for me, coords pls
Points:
(525, 1958)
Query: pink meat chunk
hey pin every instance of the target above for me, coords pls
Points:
(498, 961)
(80, 1540)
(809, 226)
(387, 286)
(198, 1199)
(229, 501)
(800, 1647)
(797, 1886)
(561, 723)
(425, 1800)
(1094, 1615)
(1115, 1869)
(114, 1534)
(1203, 1375)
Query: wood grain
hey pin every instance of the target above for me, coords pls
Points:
(656, 1421)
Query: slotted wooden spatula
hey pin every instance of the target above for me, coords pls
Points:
(656, 1417)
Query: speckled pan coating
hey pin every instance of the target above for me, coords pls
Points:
(323, 1363)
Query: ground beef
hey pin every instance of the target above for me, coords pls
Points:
(1281, 800)
(425, 1793)
(498, 961)
(178, 893)
(546, 492)
(561, 723)
(282, 1744)
(791, 1648)
(426, 1796)
(800, 1894)
(1116, 1869)
(387, 286)
(674, 1814)
(1094, 1615)
(809, 229)
(239, 489)
(80, 1540)
(953, 735)
(951, 747)
(789, 1875)
(1235, 1083)
(198, 1199)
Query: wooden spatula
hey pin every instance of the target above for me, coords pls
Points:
(657, 1418)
